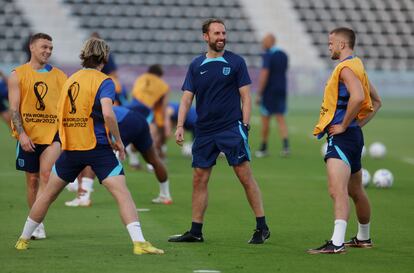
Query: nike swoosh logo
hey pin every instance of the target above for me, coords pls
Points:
(241, 156)
(202, 72)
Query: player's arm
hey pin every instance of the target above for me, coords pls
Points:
(14, 109)
(112, 124)
(185, 104)
(246, 100)
(376, 104)
(263, 77)
(168, 124)
(356, 97)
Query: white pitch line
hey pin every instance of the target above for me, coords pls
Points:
(206, 271)
(408, 160)
(143, 209)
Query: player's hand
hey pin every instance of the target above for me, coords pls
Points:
(336, 129)
(26, 143)
(179, 135)
(119, 146)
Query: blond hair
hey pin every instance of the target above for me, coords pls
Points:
(94, 52)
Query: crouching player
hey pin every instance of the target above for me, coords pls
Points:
(134, 130)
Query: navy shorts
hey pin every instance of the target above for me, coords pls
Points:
(347, 147)
(101, 159)
(232, 142)
(134, 129)
(3, 107)
(30, 161)
(276, 105)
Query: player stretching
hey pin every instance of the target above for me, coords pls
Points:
(34, 91)
(219, 80)
(349, 102)
(85, 114)
(134, 130)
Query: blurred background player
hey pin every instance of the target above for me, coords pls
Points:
(34, 91)
(4, 109)
(149, 97)
(134, 130)
(350, 101)
(221, 84)
(189, 124)
(85, 111)
(111, 69)
(272, 93)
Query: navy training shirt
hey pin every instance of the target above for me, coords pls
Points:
(276, 61)
(215, 82)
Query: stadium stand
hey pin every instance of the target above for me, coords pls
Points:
(384, 29)
(14, 32)
(163, 31)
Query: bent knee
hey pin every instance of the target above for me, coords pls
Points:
(44, 175)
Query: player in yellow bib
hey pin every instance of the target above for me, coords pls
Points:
(34, 91)
(349, 102)
(149, 98)
(86, 119)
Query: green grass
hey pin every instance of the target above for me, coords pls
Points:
(298, 209)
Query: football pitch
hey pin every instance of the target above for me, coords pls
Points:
(297, 205)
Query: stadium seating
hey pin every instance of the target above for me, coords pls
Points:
(163, 31)
(14, 32)
(385, 33)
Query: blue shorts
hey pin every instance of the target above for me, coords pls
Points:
(232, 142)
(134, 129)
(347, 147)
(3, 107)
(101, 159)
(30, 161)
(274, 106)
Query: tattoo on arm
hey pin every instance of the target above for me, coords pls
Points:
(17, 121)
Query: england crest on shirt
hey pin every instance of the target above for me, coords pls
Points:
(226, 70)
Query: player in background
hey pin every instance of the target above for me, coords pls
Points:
(4, 110)
(189, 124)
(149, 97)
(221, 84)
(349, 102)
(111, 69)
(272, 94)
(134, 130)
(85, 117)
(34, 91)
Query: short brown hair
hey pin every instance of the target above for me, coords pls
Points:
(348, 33)
(156, 69)
(208, 22)
(94, 52)
(38, 36)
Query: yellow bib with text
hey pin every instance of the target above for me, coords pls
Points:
(39, 96)
(76, 127)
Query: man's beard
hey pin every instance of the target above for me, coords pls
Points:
(214, 46)
(335, 55)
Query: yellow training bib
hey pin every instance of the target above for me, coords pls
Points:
(39, 96)
(76, 127)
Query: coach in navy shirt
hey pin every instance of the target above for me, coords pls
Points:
(221, 84)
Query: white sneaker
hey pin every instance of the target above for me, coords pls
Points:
(260, 153)
(73, 187)
(150, 168)
(78, 202)
(39, 233)
(162, 200)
